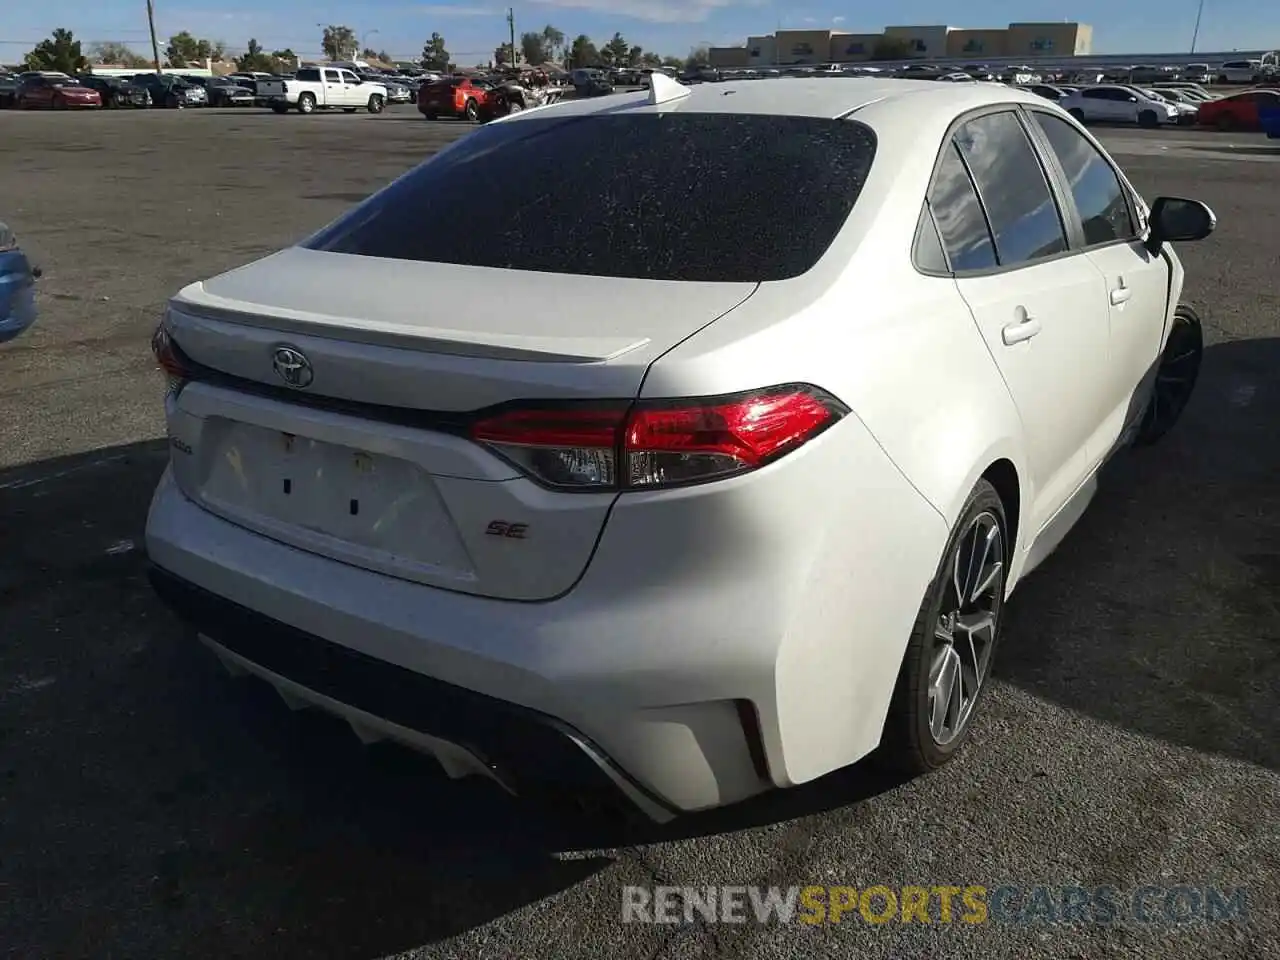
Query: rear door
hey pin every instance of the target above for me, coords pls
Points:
(1040, 308)
(1137, 281)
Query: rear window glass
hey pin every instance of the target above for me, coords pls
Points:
(699, 197)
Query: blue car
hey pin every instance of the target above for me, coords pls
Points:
(17, 287)
(1269, 117)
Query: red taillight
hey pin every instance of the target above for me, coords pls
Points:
(651, 445)
(171, 359)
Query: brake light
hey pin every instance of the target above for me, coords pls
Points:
(171, 359)
(650, 445)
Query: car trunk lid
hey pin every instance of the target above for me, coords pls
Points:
(366, 463)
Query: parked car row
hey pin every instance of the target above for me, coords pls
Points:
(1256, 72)
(1177, 102)
(45, 89)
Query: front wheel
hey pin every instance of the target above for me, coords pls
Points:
(1176, 377)
(949, 654)
(1148, 119)
(375, 104)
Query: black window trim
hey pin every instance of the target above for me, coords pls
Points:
(1045, 148)
(1067, 215)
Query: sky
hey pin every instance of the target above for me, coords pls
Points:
(472, 28)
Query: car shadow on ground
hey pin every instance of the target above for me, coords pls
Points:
(128, 754)
(1160, 612)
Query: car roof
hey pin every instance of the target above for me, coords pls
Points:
(825, 97)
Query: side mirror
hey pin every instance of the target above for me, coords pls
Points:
(1177, 220)
(1133, 99)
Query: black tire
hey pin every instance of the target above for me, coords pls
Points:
(1225, 122)
(280, 108)
(909, 745)
(1222, 78)
(471, 111)
(1176, 377)
(348, 109)
(431, 115)
(375, 104)
(59, 103)
(1077, 113)
(306, 103)
(1148, 119)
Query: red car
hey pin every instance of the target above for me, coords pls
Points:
(1238, 111)
(453, 97)
(54, 91)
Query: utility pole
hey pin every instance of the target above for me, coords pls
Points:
(1195, 34)
(151, 22)
(511, 23)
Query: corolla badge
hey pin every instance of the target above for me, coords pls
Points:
(292, 366)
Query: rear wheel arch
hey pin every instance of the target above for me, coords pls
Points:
(1003, 475)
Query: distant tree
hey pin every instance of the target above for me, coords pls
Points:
(533, 47)
(615, 51)
(635, 56)
(891, 48)
(650, 60)
(257, 60)
(118, 55)
(582, 53)
(434, 54)
(674, 62)
(339, 43)
(552, 43)
(60, 53)
(698, 57)
(184, 50)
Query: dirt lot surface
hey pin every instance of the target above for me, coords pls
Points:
(152, 807)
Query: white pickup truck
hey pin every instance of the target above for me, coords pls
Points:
(323, 88)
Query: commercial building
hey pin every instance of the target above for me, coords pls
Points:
(925, 42)
(728, 57)
(762, 51)
(1049, 39)
(807, 47)
(853, 47)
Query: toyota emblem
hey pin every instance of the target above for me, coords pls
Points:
(292, 366)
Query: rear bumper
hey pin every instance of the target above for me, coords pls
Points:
(723, 640)
(523, 750)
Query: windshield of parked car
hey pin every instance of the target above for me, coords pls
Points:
(648, 196)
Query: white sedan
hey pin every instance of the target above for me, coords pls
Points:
(679, 447)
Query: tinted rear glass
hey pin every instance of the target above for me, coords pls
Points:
(701, 197)
(305, 74)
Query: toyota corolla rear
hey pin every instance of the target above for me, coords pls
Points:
(425, 472)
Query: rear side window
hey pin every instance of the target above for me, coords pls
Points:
(697, 197)
(312, 75)
(1098, 195)
(958, 214)
(1024, 218)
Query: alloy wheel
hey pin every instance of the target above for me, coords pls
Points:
(965, 633)
(1175, 378)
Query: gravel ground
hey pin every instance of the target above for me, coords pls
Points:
(152, 807)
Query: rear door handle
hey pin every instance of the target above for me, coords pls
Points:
(1026, 328)
(1120, 295)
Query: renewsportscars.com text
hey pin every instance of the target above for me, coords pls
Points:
(937, 904)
